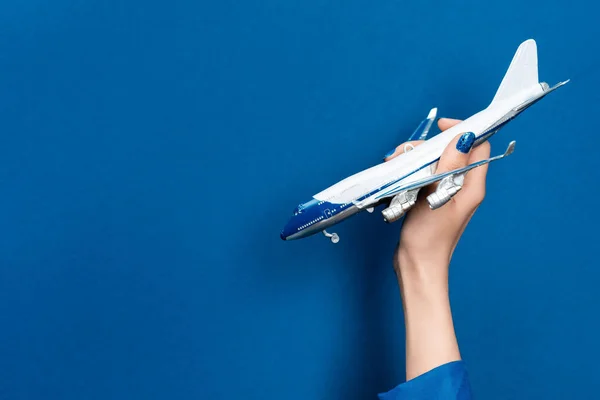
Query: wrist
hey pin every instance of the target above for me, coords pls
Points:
(428, 269)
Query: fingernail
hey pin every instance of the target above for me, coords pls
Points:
(389, 153)
(465, 142)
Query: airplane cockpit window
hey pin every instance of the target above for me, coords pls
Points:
(303, 206)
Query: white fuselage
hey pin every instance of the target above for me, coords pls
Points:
(368, 181)
(369, 187)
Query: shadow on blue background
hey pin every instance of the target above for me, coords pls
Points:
(151, 152)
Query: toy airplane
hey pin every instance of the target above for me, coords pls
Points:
(401, 178)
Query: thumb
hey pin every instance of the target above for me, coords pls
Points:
(456, 154)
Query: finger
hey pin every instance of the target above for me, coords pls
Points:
(447, 123)
(456, 154)
(400, 149)
(475, 180)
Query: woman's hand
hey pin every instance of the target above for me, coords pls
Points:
(428, 236)
(427, 241)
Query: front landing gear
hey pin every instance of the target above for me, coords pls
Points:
(333, 236)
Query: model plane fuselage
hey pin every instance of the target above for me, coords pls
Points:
(401, 175)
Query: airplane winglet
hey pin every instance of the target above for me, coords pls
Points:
(433, 113)
(423, 129)
(510, 149)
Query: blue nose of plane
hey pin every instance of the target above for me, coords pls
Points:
(288, 229)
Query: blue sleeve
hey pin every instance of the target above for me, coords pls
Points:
(447, 382)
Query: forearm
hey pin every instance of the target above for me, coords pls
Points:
(430, 337)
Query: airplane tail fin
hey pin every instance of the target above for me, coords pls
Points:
(522, 72)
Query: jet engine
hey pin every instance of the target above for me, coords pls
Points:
(447, 188)
(400, 204)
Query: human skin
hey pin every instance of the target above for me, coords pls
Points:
(422, 258)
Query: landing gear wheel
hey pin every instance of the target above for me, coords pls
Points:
(332, 236)
(335, 238)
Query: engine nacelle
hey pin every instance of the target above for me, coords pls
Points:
(400, 204)
(393, 214)
(447, 188)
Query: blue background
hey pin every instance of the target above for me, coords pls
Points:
(150, 153)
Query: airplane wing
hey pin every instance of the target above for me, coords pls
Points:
(423, 129)
(437, 177)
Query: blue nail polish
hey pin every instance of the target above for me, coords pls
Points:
(465, 142)
(389, 153)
